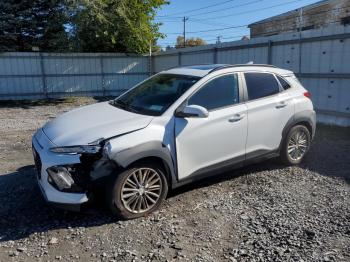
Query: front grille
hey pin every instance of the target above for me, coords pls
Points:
(37, 162)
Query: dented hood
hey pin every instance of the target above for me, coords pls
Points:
(90, 123)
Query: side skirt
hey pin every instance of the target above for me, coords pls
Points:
(232, 164)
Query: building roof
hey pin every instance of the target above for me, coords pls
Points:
(305, 8)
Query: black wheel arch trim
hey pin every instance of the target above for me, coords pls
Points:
(147, 150)
(306, 116)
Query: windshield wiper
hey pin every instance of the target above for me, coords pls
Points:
(120, 103)
(123, 105)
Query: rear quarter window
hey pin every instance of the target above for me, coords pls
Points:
(285, 85)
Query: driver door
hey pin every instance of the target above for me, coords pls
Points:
(209, 144)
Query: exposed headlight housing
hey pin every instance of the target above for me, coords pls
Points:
(60, 178)
(70, 178)
(84, 149)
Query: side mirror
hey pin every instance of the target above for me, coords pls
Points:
(192, 111)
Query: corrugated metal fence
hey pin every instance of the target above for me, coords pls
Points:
(43, 75)
(320, 58)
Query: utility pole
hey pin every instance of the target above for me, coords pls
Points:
(150, 58)
(300, 20)
(218, 41)
(184, 33)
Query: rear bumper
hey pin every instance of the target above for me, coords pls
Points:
(71, 201)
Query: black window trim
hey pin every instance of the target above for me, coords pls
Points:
(281, 87)
(246, 97)
(240, 91)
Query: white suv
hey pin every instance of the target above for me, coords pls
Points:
(173, 128)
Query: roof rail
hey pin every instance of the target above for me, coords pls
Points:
(239, 65)
(196, 65)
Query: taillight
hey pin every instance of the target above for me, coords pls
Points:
(307, 94)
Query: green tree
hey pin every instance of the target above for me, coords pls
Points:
(116, 25)
(79, 25)
(193, 41)
(28, 23)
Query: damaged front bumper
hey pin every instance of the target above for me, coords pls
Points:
(63, 178)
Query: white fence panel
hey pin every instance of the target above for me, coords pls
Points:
(164, 62)
(44, 75)
(118, 83)
(197, 58)
(77, 85)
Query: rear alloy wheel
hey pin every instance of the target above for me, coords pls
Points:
(138, 191)
(296, 145)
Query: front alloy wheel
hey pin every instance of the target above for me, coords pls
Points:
(137, 191)
(141, 190)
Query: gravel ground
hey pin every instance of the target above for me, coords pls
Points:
(264, 212)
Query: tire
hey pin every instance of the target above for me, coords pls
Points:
(292, 153)
(128, 199)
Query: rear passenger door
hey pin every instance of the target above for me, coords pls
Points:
(268, 109)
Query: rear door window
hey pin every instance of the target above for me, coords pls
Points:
(261, 85)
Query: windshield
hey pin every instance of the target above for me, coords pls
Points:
(156, 94)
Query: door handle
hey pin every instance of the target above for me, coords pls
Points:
(235, 118)
(281, 104)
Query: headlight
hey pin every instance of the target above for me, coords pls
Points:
(87, 149)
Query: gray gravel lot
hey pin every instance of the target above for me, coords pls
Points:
(264, 212)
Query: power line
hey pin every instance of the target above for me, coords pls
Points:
(211, 39)
(210, 30)
(241, 13)
(291, 30)
(252, 11)
(277, 31)
(225, 9)
(196, 9)
(199, 21)
(240, 26)
(215, 35)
